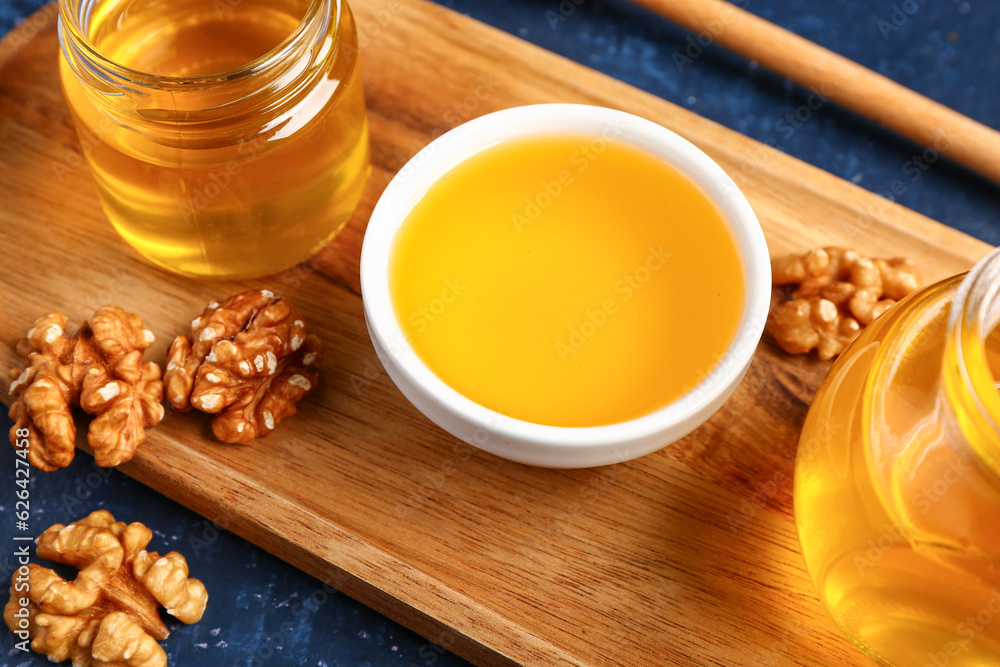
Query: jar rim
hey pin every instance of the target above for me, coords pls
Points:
(974, 316)
(69, 21)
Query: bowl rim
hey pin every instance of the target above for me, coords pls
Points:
(528, 442)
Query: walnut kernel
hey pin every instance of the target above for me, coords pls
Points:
(248, 361)
(836, 293)
(108, 615)
(101, 370)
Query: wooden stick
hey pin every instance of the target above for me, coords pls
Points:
(843, 81)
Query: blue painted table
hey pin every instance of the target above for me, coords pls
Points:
(264, 611)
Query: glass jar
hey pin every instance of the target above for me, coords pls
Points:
(227, 138)
(897, 482)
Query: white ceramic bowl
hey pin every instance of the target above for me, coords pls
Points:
(535, 444)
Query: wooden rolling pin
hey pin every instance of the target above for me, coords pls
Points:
(840, 80)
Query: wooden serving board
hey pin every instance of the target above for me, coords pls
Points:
(685, 557)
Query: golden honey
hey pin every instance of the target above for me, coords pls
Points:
(566, 281)
(897, 488)
(227, 138)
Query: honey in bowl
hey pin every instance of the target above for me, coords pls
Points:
(567, 280)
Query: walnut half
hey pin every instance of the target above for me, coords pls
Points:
(837, 293)
(101, 370)
(108, 615)
(248, 361)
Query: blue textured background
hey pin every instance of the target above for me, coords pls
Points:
(947, 49)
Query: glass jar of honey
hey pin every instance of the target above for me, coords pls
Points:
(897, 483)
(227, 138)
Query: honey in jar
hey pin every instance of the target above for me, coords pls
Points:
(897, 484)
(227, 138)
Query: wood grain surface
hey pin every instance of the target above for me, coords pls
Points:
(684, 557)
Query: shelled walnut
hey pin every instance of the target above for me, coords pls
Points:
(837, 293)
(108, 615)
(248, 361)
(99, 369)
